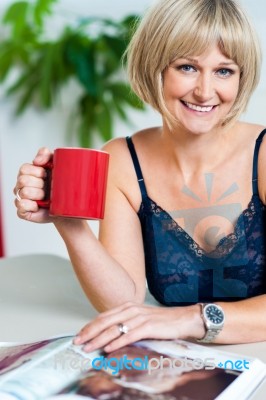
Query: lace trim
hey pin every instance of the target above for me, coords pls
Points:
(225, 245)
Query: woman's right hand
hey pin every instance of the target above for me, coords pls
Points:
(30, 184)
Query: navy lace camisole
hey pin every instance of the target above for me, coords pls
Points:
(179, 272)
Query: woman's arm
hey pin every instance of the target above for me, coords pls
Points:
(111, 271)
(245, 322)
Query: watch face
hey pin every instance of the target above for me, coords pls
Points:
(214, 314)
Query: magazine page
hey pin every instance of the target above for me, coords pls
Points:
(167, 370)
(152, 369)
(14, 357)
(251, 372)
(37, 370)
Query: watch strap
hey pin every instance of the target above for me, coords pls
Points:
(209, 336)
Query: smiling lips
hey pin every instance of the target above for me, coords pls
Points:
(198, 108)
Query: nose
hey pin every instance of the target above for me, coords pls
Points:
(204, 88)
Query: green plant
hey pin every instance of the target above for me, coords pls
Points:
(89, 52)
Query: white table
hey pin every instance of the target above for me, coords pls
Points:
(41, 297)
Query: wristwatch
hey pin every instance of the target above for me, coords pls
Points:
(213, 318)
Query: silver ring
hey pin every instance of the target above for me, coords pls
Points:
(123, 329)
(17, 195)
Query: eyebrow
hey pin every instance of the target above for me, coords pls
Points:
(193, 60)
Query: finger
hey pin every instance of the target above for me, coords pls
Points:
(25, 208)
(29, 211)
(32, 170)
(113, 332)
(43, 156)
(29, 193)
(124, 340)
(137, 328)
(103, 339)
(25, 205)
(144, 329)
(29, 181)
(139, 332)
(147, 326)
(103, 322)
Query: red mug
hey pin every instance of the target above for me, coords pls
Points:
(76, 183)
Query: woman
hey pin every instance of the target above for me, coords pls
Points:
(186, 201)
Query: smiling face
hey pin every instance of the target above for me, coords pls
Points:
(200, 91)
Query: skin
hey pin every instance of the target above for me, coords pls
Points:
(201, 81)
(111, 270)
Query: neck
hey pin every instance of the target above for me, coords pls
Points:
(195, 153)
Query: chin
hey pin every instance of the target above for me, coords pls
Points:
(200, 131)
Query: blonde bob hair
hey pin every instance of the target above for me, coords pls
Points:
(181, 28)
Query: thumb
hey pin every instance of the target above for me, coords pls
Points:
(43, 156)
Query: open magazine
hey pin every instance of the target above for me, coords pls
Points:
(151, 369)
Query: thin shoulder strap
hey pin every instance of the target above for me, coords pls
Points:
(255, 162)
(135, 160)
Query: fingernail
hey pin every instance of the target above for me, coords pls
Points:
(87, 348)
(38, 158)
(77, 340)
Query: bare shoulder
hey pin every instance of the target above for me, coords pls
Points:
(249, 130)
(119, 163)
(246, 135)
(122, 174)
(118, 149)
(141, 137)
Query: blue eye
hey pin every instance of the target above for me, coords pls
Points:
(225, 72)
(185, 68)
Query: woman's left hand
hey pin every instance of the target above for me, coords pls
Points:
(140, 322)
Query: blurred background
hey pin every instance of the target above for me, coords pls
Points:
(58, 120)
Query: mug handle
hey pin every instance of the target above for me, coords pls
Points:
(45, 203)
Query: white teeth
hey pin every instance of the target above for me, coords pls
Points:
(198, 108)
